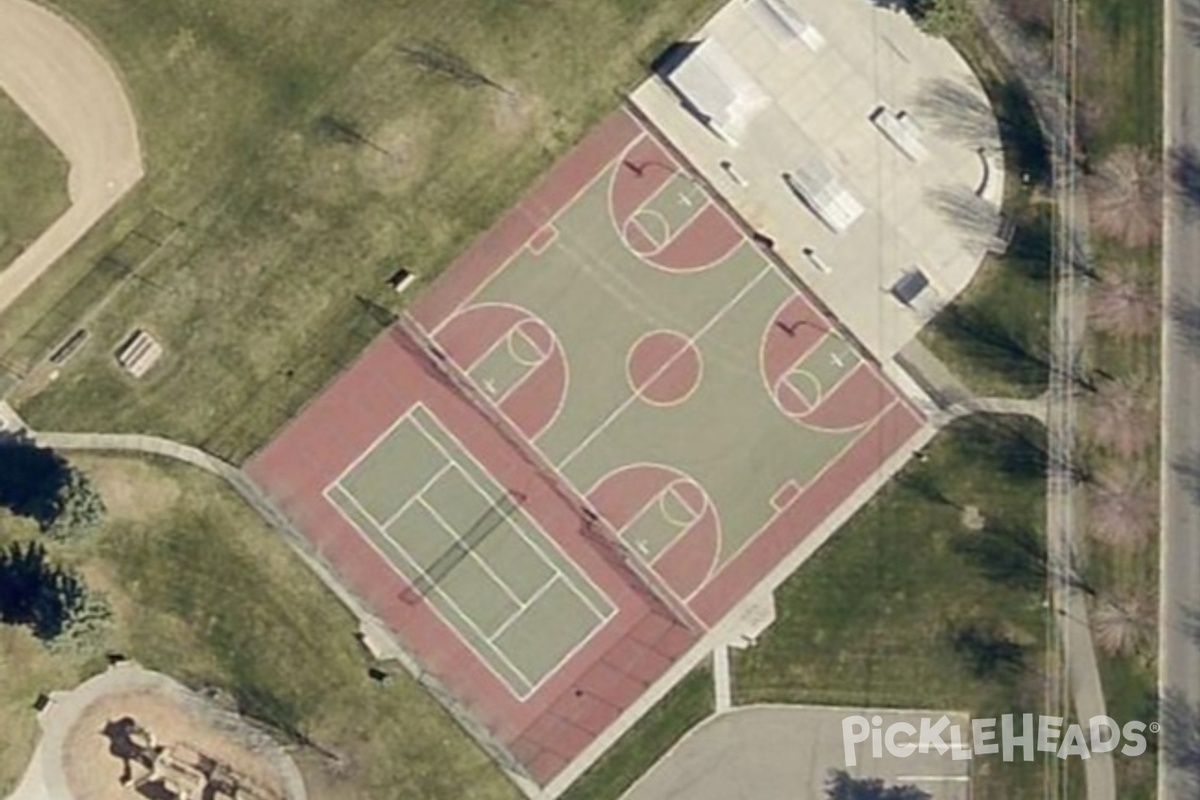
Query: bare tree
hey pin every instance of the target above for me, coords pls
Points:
(1121, 305)
(1120, 417)
(1126, 196)
(1123, 622)
(1122, 510)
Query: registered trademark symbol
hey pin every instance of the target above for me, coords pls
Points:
(1154, 727)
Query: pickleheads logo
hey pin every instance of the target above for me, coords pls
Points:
(901, 739)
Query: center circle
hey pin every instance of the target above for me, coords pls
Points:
(664, 368)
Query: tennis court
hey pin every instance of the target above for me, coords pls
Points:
(464, 544)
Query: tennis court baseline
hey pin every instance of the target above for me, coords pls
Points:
(464, 544)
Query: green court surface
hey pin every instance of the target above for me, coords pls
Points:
(465, 546)
(506, 364)
(671, 208)
(822, 370)
(600, 299)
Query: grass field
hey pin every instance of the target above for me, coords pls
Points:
(1122, 94)
(310, 149)
(682, 709)
(33, 190)
(206, 593)
(873, 618)
(1121, 74)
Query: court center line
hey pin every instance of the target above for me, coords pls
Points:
(605, 171)
(445, 597)
(692, 340)
(412, 498)
(479, 490)
(536, 596)
(470, 553)
(525, 536)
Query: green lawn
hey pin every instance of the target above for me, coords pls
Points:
(646, 742)
(33, 181)
(873, 618)
(308, 156)
(1130, 682)
(1121, 95)
(1121, 74)
(205, 592)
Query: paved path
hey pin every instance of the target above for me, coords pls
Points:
(66, 86)
(1082, 673)
(1179, 657)
(722, 679)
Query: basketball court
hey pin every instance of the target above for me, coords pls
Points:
(585, 443)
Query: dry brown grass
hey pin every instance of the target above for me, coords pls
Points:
(1126, 196)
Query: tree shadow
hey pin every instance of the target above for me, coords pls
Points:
(841, 785)
(1009, 555)
(991, 340)
(31, 479)
(1187, 470)
(1185, 313)
(988, 652)
(1191, 625)
(36, 593)
(975, 218)
(898, 6)
(1030, 249)
(956, 112)
(960, 114)
(1179, 739)
(1183, 172)
(1189, 20)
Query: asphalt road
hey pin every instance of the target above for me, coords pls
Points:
(1180, 591)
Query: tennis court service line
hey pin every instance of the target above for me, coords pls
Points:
(440, 593)
(604, 616)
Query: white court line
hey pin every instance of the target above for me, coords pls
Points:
(864, 431)
(566, 657)
(545, 587)
(408, 503)
(520, 529)
(451, 625)
(604, 172)
(470, 552)
(366, 453)
(496, 402)
(695, 337)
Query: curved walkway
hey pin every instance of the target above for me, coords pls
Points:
(66, 86)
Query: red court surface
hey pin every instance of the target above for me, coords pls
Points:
(663, 602)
